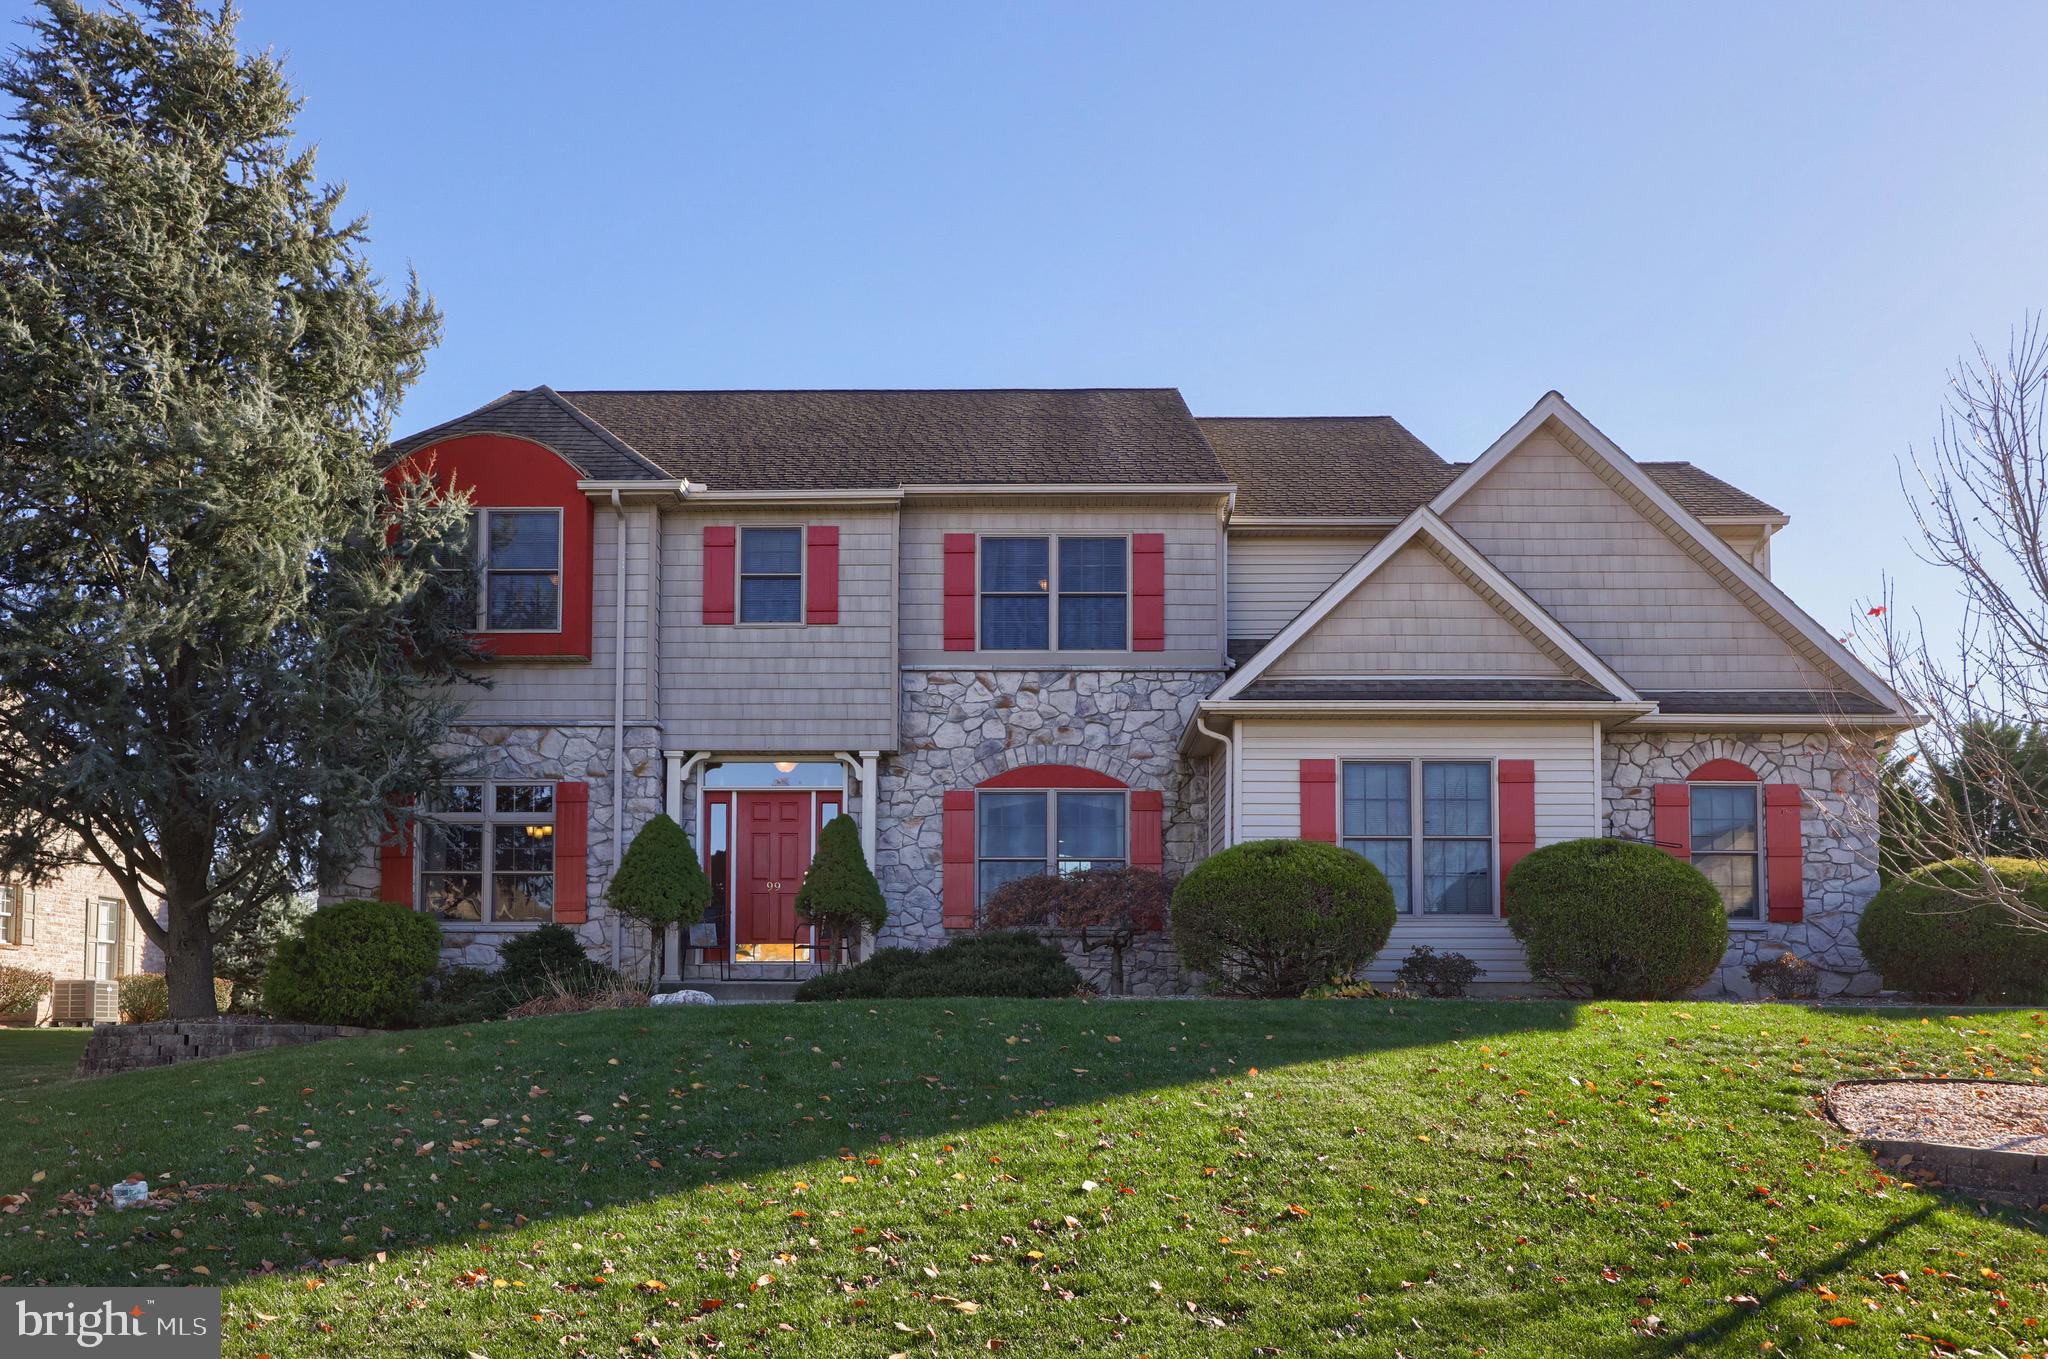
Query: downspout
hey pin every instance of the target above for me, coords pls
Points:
(619, 732)
(1229, 779)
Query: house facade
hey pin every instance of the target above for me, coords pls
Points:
(1013, 632)
(73, 926)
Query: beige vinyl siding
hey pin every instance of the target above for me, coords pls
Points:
(558, 693)
(1274, 578)
(1194, 583)
(1566, 755)
(1415, 616)
(1218, 788)
(1618, 581)
(781, 687)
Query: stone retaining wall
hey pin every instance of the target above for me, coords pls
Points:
(131, 1047)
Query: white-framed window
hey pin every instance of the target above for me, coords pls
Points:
(1728, 844)
(12, 899)
(1069, 592)
(103, 939)
(771, 575)
(487, 853)
(519, 566)
(1023, 832)
(1429, 826)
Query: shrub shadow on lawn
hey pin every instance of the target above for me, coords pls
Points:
(380, 1143)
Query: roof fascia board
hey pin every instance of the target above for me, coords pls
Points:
(1552, 406)
(1311, 707)
(924, 490)
(1314, 521)
(1663, 721)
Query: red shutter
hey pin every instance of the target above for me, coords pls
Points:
(719, 570)
(821, 573)
(959, 592)
(957, 909)
(1673, 825)
(572, 853)
(1148, 592)
(1319, 800)
(394, 859)
(1785, 852)
(1517, 813)
(1148, 843)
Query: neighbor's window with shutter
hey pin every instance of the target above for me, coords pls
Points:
(10, 913)
(103, 941)
(519, 565)
(487, 853)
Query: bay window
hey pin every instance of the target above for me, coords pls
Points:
(1025, 833)
(488, 853)
(1424, 820)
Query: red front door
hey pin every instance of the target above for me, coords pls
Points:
(774, 845)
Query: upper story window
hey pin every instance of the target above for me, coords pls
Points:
(1021, 578)
(1025, 833)
(519, 560)
(1437, 814)
(771, 575)
(1727, 844)
(488, 853)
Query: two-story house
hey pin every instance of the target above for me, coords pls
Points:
(1022, 631)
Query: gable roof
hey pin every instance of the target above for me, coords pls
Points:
(1704, 494)
(1325, 466)
(1763, 597)
(540, 414)
(1510, 597)
(807, 440)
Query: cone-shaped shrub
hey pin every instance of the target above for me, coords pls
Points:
(839, 894)
(659, 882)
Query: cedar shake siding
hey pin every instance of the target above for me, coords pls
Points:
(826, 608)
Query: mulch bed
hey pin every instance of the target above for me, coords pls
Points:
(1987, 1115)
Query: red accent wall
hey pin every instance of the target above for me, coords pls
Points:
(500, 471)
(1785, 852)
(1319, 800)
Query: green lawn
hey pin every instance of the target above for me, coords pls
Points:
(33, 1057)
(1131, 1179)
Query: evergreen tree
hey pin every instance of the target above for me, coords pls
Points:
(226, 646)
(840, 896)
(659, 882)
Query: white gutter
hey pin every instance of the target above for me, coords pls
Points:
(615, 488)
(619, 731)
(1312, 521)
(1663, 721)
(1229, 779)
(965, 488)
(835, 495)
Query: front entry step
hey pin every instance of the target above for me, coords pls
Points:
(752, 991)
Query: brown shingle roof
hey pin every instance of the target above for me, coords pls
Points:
(1328, 466)
(1702, 492)
(786, 440)
(542, 416)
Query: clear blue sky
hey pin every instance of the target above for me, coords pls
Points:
(1752, 236)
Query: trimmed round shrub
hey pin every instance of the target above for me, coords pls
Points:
(353, 962)
(1275, 917)
(1616, 919)
(1948, 932)
(1012, 964)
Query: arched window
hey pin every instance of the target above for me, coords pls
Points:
(1039, 819)
(1743, 833)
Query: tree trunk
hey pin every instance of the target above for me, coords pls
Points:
(188, 963)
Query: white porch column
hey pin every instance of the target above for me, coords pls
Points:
(672, 802)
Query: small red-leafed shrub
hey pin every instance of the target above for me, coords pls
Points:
(1099, 908)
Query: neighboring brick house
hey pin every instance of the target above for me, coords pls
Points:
(1013, 631)
(76, 925)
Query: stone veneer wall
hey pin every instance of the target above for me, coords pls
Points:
(550, 755)
(1838, 822)
(131, 1047)
(961, 727)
